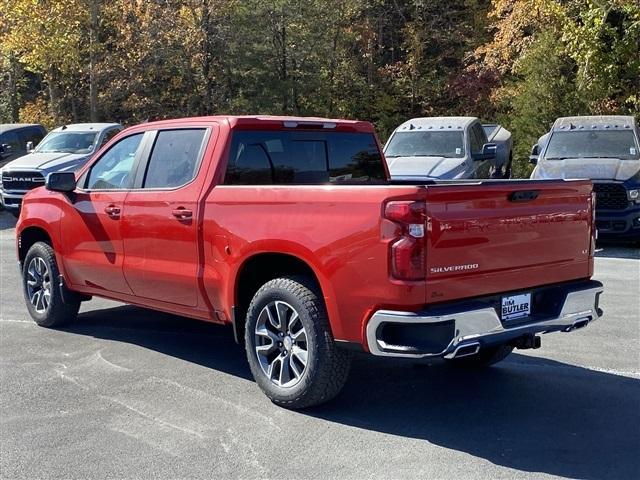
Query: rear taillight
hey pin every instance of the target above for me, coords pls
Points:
(408, 250)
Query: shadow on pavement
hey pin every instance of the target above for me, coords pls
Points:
(529, 414)
(617, 250)
(7, 220)
(202, 343)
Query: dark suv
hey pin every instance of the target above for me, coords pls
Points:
(15, 137)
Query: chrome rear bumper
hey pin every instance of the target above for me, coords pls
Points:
(469, 330)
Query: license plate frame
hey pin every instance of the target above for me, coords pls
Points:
(515, 307)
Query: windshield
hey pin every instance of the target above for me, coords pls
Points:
(68, 142)
(426, 144)
(592, 144)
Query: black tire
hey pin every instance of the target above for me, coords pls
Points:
(57, 311)
(507, 171)
(327, 366)
(484, 358)
(503, 173)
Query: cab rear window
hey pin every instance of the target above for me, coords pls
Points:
(303, 158)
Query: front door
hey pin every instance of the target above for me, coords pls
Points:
(91, 221)
(160, 226)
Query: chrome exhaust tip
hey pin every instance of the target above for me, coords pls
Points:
(580, 323)
(465, 350)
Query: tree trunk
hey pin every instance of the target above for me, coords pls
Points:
(52, 78)
(12, 86)
(283, 64)
(207, 109)
(93, 41)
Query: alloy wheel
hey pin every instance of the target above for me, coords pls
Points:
(39, 284)
(281, 344)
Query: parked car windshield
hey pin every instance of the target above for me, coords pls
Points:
(426, 144)
(68, 142)
(592, 144)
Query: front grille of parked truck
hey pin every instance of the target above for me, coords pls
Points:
(21, 181)
(610, 196)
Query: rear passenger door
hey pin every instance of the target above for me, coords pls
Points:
(160, 226)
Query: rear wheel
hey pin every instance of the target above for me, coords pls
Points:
(291, 352)
(42, 290)
(485, 357)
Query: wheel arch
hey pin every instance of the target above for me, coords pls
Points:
(28, 237)
(258, 269)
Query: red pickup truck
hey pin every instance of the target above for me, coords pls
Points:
(290, 230)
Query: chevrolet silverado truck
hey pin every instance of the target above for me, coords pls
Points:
(66, 148)
(289, 230)
(449, 148)
(605, 149)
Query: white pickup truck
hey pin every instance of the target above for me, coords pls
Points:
(449, 148)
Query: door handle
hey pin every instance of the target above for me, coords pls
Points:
(523, 195)
(182, 213)
(112, 211)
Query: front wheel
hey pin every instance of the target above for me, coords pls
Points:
(42, 289)
(291, 352)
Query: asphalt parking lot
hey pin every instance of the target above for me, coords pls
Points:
(129, 393)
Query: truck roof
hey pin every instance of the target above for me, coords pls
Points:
(448, 123)
(6, 127)
(85, 127)
(595, 122)
(274, 122)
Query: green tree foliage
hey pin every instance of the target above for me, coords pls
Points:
(522, 62)
(559, 58)
(544, 92)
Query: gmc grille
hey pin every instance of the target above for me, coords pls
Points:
(21, 180)
(610, 196)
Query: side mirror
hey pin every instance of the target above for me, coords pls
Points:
(29, 147)
(61, 182)
(488, 152)
(535, 153)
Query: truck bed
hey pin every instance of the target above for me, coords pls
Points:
(340, 231)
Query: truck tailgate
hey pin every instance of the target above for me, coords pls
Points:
(506, 236)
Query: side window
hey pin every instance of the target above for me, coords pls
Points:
(174, 159)
(109, 135)
(30, 135)
(12, 139)
(476, 140)
(37, 134)
(114, 170)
